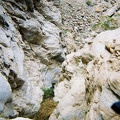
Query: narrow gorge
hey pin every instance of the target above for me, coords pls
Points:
(59, 59)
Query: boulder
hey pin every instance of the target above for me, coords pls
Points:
(71, 97)
(27, 98)
(102, 39)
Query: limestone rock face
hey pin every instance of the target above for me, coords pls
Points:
(27, 99)
(30, 53)
(32, 56)
(31, 31)
(52, 40)
(51, 12)
(71, 91)
(90, 81)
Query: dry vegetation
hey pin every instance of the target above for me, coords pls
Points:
(47, 107)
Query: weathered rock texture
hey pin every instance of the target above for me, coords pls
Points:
(90, 82)
(90, 76)
(33, 44)
(30, 54)
(6, 107)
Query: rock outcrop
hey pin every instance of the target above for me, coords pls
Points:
(6, 106)
(90, 81)
(30, 54)
(40, 50)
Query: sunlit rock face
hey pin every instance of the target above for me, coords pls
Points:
(90, 81)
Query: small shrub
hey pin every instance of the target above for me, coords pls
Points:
(48, 92)
(89, 3)
(64, 31)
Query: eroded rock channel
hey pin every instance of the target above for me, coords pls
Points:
(59, 60)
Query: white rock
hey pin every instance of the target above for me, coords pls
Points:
(64, 86)
(31, 30)
(29, 97)
(52, 13)
(89, 82)
(98, 45)
(3, 39)
(20, 118)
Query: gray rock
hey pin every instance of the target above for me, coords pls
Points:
(52, 40)
(12, 64)
(52, 13)
(0, 2)
(6, 108)
(3, 39)
(50, 75)
(31, 31)
(60, 57)
(28, 97)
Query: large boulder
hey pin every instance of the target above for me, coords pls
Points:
(27, 98)
(70, 92)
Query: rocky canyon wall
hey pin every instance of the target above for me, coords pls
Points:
(90, 81)
(30, 54)
(68, 45)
